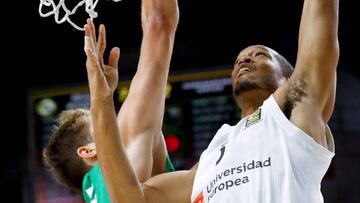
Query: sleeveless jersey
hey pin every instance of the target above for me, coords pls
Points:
(94, 187)
(263, 159)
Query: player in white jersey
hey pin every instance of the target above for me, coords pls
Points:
(278, 152)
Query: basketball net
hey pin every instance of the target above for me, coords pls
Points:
(89, 8)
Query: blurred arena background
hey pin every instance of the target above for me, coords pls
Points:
(48, 69)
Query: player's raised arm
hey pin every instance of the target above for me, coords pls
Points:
(312, 85)
(141, 116)
(318, 51)
(122, 183)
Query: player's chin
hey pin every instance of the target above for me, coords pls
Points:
(244, 85)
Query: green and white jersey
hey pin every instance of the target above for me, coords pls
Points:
(94, 187)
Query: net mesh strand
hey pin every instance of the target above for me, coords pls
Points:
(90, 6)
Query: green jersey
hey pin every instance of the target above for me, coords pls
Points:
(94, 188)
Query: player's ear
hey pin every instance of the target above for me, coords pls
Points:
(87, 152)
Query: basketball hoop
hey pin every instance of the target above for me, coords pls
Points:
(89, 8)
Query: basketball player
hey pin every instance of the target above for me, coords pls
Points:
(71, 152)
(278, 152)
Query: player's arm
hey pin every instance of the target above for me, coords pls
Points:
(318, 52)
(315, 71)
(121, 181)
(141, 116)
(173, 187)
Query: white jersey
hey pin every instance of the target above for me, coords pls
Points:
(262, 159)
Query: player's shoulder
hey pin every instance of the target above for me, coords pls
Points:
(225, 128)
(221, 136)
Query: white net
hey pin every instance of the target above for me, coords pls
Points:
(55, 10)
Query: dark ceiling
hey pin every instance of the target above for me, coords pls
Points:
(210, 33)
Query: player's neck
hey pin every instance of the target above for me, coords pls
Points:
(250, 101)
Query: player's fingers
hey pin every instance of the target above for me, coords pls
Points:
(114, 57)
(87, 30)
(92, 62)
(101, 44)
(92, 29)
(88, 44)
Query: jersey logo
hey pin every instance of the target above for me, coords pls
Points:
(253, 118)
(90, 193)
(222, 152)
(199, 198)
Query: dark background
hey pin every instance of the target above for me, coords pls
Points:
(210, 34)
